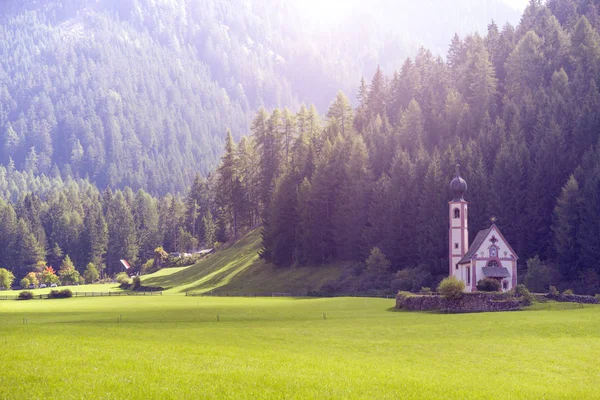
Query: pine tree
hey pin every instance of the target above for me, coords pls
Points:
(432, 218)
(565, 227)
(377, 95)
(289, 134)
(145, 215)
(210, 230)
(351, 208)
(589, 230)
(229, 188)
(94, 237)
(280, 233)
(411, 127)
(341, 110)
(122, 242)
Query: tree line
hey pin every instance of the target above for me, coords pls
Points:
(137, 92)
(517, 108)
(77, 225)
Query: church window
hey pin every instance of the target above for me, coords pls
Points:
(456, 245)
(493, 263)
(456, 213)
(504, 285)
(493, 251)
(468, 275)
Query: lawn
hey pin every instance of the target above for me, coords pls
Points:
(238, 269)
(175, 347)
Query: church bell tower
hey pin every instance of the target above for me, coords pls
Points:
(459, 228)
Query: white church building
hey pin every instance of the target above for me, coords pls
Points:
(489, 256)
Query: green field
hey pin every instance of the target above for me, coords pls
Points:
(173, 347)
(237, 269)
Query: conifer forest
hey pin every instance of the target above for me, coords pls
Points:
(126, 139)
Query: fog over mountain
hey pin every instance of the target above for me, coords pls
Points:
(140, 93)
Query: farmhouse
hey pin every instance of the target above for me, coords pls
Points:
(490, 254)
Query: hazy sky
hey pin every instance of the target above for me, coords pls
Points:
(520, 4)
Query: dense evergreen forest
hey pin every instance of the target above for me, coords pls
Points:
(518, 108)
(364, 183)
(139, 93)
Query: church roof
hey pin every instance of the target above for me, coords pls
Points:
(475, 245)
(495, 272)
(479, 239)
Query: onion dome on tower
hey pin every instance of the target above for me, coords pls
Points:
(458, 186)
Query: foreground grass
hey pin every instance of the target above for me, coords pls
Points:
(172, 347)
(239, 270)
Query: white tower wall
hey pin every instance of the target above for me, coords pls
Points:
(458, 237)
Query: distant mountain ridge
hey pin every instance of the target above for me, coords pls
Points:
(140, 93)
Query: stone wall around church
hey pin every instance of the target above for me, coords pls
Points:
(468, 302)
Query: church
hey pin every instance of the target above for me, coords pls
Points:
(489, 256)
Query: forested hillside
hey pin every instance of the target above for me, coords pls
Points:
(363, 182)
(140, 93)
(518, 108)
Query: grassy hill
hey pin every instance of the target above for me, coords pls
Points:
(239, 270)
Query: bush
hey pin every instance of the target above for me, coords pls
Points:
(451, 288)
(553, 291)
(411, 279)
(425, 290)
(124, 280)
(25, 283)
(597, 298)
(25, 295)
(488, 285)
(523, 293)
(91, 273)
(60, 294)
(568, 292)
(538, 275)
(137, 283)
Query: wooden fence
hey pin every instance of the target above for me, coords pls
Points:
(89, 294)
(276, 294)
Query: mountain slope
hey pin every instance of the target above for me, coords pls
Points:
(239, 270)
(140, 93)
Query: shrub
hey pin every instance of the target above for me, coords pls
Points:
(425, 290)
(6, 278)
(148, 267)
(553, 291)
(60, 294)
(123, 279)
(568, 292)
(538, 274)
(25, 283)
(137, 283)
(488, 285)
(91, 273)
(68, 274)
(377, 263)
(411, 279)
(597, 298)
(523, 293)
(451, 288)
(25, 295)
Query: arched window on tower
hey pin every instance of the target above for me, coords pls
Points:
(456, 213)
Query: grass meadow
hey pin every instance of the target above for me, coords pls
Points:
(237, 269)
(175, 347)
